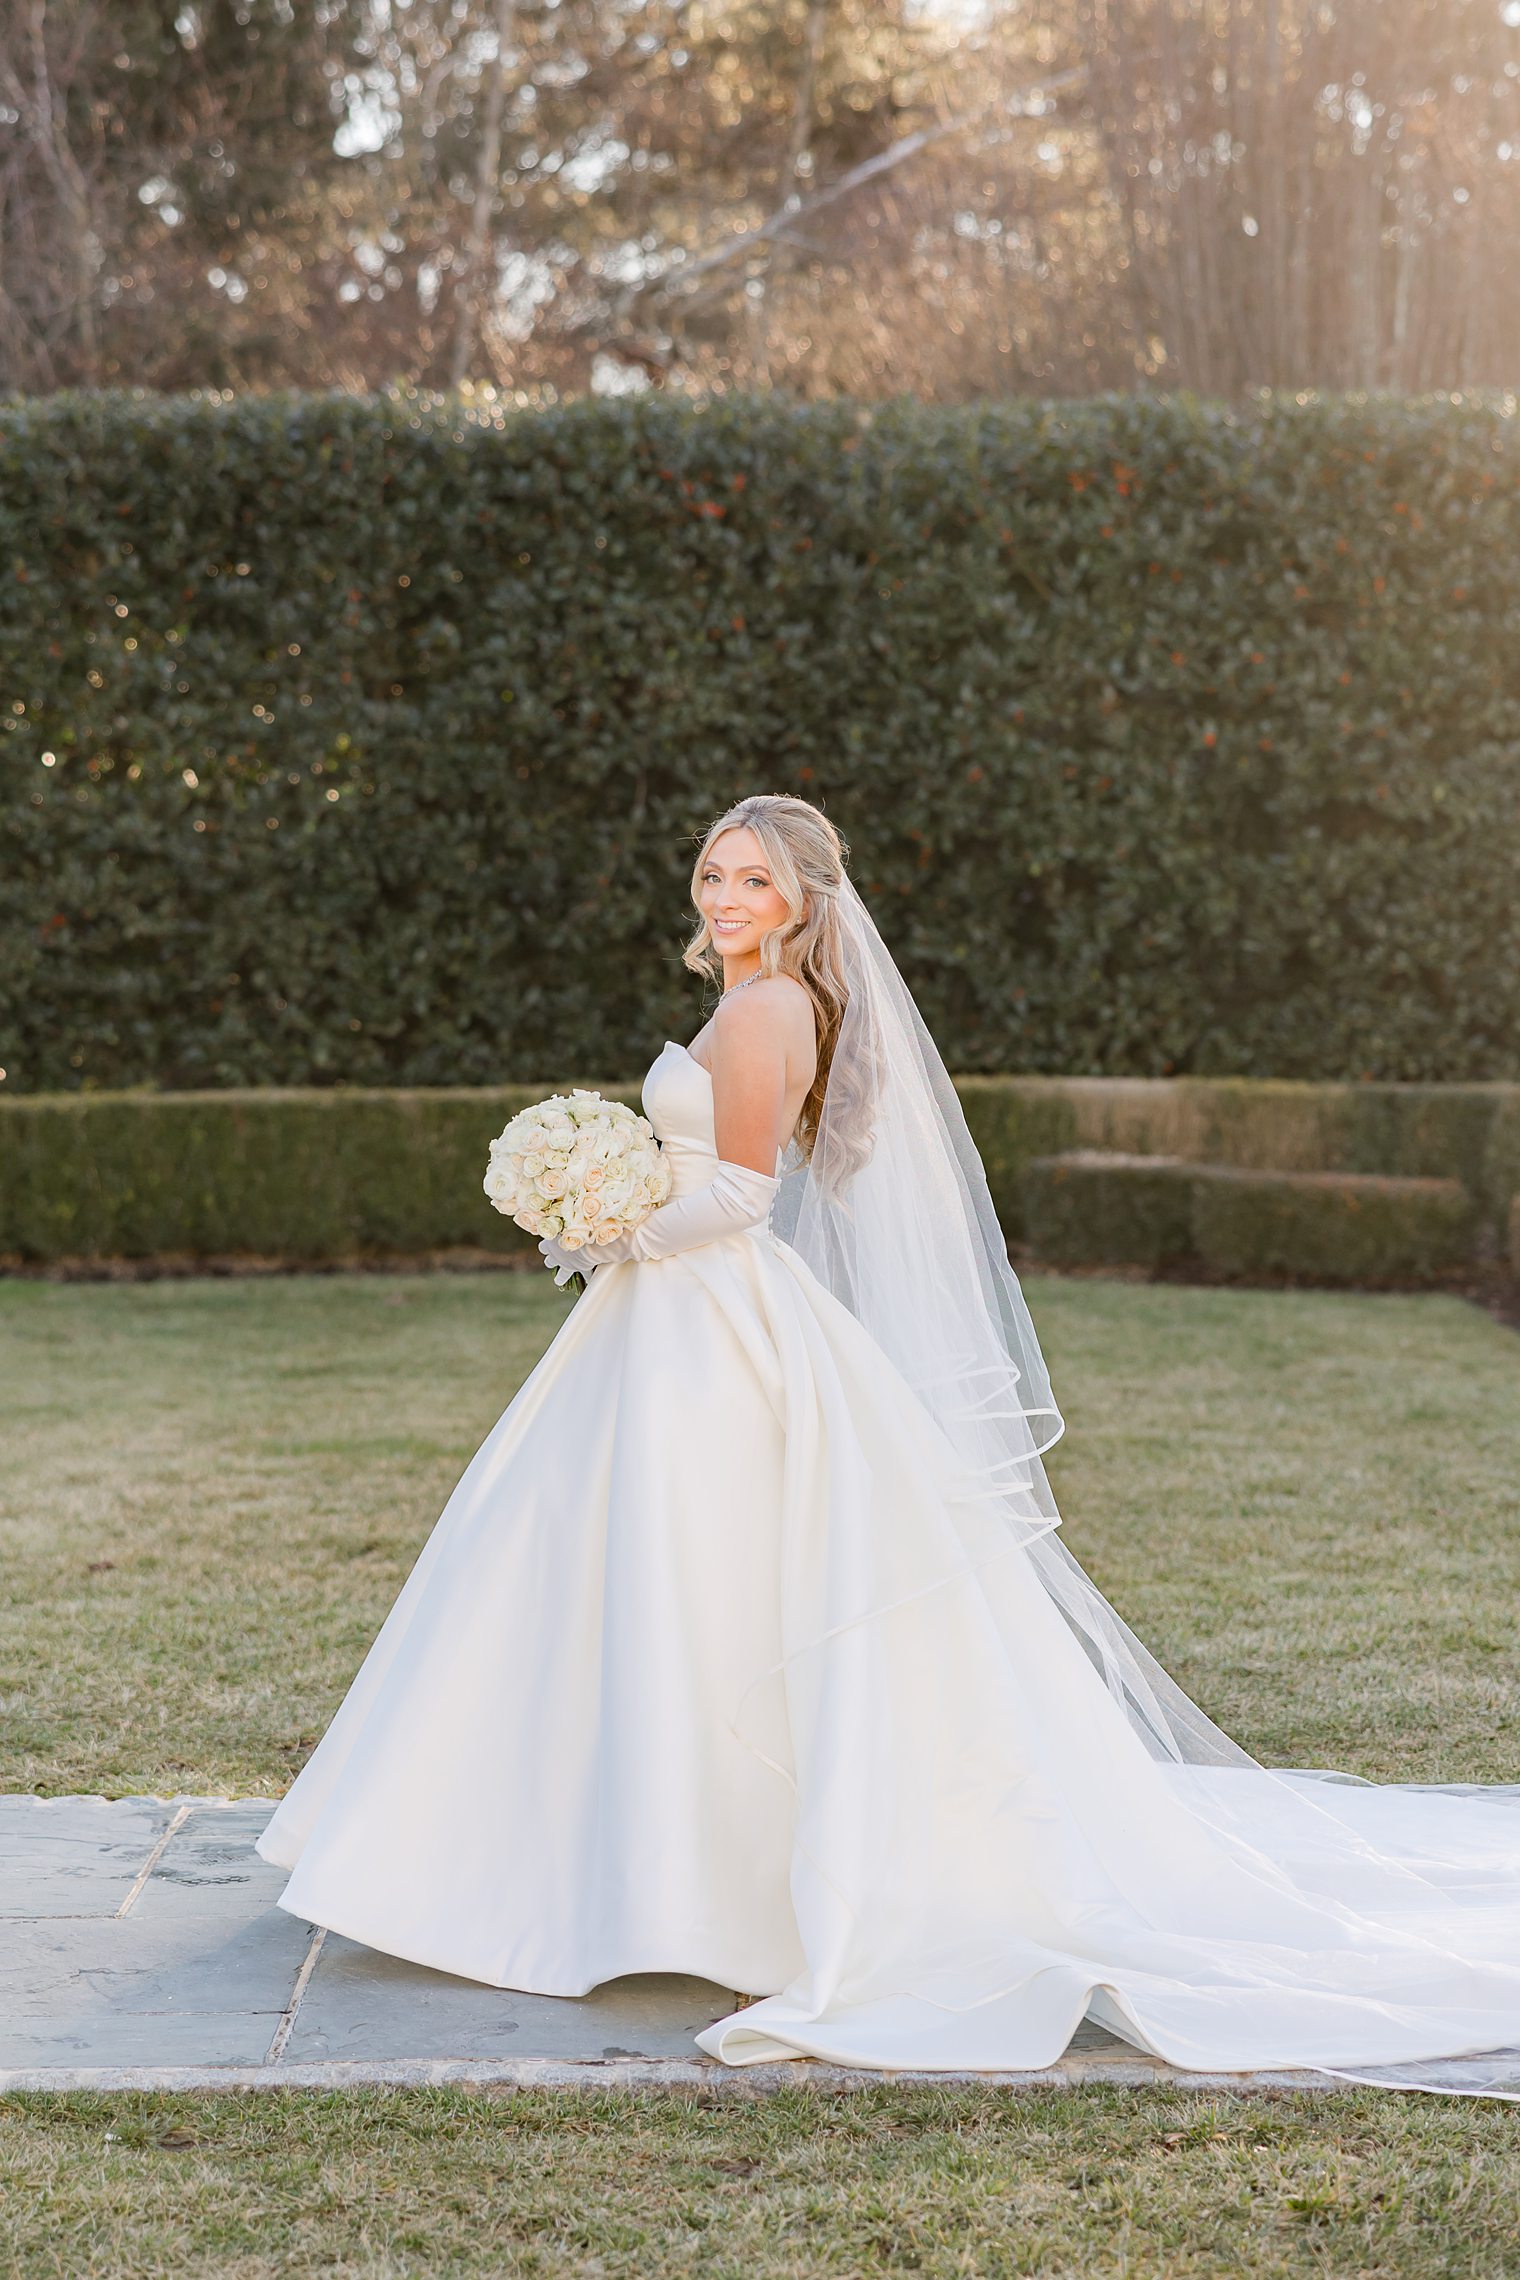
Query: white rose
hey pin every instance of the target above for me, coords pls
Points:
(577, 1168)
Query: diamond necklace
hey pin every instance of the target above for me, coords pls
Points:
(744, 985)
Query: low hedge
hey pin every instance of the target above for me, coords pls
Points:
(361, 742)
(1469, 1133)
(1088, 1208)
(299, 1176)
(331, 1173)
(1345, 1227)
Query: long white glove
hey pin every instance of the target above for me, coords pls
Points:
(735, 1198)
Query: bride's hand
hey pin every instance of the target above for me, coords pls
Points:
(582, 1262)
(608, 1254)
(564, 1264)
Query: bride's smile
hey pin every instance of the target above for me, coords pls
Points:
(740, 903)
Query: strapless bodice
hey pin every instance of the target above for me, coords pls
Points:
(678, 1101)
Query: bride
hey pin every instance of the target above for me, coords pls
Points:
(747, 1645)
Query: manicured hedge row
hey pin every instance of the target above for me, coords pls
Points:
(361, 742)
(343, 1172)
(1341, 1227)
(1092, 1208)
(1469, 1133)
(286, 1175)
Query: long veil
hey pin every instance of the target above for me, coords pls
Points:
(909, 1241)
(892, 1214)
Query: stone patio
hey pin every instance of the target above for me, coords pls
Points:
(141, 1947)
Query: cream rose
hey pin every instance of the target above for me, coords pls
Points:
(577, 1168)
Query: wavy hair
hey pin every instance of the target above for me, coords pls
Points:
(806, 858)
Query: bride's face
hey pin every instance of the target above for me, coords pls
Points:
(735, 894)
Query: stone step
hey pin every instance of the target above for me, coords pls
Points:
(143, 1949)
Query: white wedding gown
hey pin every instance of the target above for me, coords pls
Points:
(700, 1672)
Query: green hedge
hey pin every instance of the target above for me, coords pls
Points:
(1351, 1227)
(1088, 1208)
(296, 1176)
(342, 1172)
(1469, 1133)
(1170, 737)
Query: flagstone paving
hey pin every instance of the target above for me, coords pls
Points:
(141, 1945)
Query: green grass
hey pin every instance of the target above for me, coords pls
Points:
(941, 2182)
(1308, 1506)
(211, 1491)
(1305, 1502)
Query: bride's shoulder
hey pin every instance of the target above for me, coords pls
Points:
(776, 1010)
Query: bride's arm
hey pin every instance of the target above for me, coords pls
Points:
(752, 1038)
(733, 1199)
(750, 1044)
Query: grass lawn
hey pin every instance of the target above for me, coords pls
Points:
(1306, 1503)
(1099, 2185)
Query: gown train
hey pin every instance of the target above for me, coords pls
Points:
(707, 1668)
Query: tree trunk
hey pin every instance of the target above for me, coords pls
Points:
(478, 244)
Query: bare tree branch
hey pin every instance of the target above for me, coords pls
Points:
(786, 217)
(44, 113)
(799, 157)
(477, 244)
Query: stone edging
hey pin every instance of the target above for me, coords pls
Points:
(709, 2076)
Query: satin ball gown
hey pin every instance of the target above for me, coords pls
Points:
(700, 1671)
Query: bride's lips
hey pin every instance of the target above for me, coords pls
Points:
(729, 925)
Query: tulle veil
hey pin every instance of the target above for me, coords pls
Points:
(909, 1241)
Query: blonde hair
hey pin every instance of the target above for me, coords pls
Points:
(806, 859)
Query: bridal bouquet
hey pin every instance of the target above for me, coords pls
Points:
(577, 1168)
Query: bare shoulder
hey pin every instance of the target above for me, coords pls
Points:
(775, 1012)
